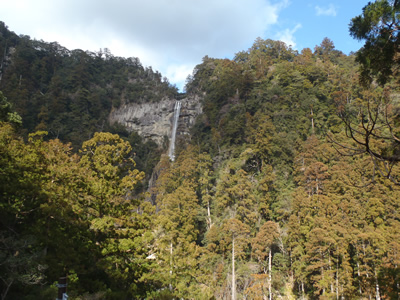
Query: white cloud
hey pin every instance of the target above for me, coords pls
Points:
(179, 74)
(287, 36)
(331, 10)
(165, 34)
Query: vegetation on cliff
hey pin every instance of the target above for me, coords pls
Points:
(70, 93)
(287, 188)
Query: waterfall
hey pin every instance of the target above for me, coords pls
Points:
(177, 110)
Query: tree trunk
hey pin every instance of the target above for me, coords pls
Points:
(322, 271)
(312, 121)
(378, 295)
(8, 285)
(359, 277)
(233, 270)
(270, 275)
(209, 214)
(170, 262)
(337, 282)
(330, 271)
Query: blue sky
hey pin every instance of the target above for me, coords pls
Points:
(318, 19)
(172, 36)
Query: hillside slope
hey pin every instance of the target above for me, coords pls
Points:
(70, 93)
(269, 196)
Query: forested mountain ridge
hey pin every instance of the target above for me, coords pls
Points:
(70, 93)
(272, 197)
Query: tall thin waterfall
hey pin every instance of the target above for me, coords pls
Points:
(177, 111)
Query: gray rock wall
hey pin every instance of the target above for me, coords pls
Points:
(154, 120)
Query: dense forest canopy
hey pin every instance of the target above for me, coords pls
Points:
(70, 93)
(288, 185)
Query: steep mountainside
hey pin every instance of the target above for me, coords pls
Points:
(270, 197)
(68, 93)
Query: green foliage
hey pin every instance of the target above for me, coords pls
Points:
(6, 114)
(258, 202)
(70, 93)
(378, 27)
(62, 214)
(280, 170)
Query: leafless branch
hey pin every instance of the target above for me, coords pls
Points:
(374, 128)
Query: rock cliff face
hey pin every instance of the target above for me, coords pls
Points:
(154, 120)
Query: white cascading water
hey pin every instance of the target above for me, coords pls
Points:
(177, 111)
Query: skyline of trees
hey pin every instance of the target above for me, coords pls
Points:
(271, 196)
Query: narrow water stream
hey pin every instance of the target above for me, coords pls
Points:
(177, 111)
